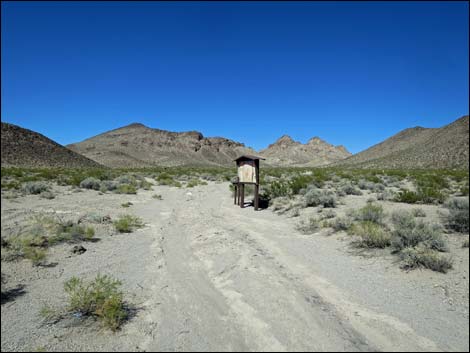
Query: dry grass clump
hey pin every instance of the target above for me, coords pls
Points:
(418, 212)
(371, 235)
(127, 223)
(101, 298)
(309, 226)
(421, 256)
(370, 213)
(341, 223)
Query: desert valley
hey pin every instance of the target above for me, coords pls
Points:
(130, 240)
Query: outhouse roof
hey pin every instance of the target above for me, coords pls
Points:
(250, 157)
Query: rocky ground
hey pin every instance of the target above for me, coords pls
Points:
(205, 275)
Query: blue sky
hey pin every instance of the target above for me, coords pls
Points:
(353, 73)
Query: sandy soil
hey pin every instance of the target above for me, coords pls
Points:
(205, 275)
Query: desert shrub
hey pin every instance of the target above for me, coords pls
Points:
(47, 195)
(300, 182)
(418, 212)
(341, 223)
(465, 244)
(36, 255)
(414, 257)
(157, 196)
(464, 190)
(34, 187)
(316, 197)
(371, 235)
(347, 188)
(127, 223)
(277, 188)
(427, 195)
(101, 298)
(386, 195)
(458, 216)
(370, 185)
(108, 185)
(309, 226)
(126, 189)
(126, 204)
(279, 203)
(328, 214)
(90, 183)
(408, 232)
(195, 182)
(89, 233)
(370, 213)
(70, 232)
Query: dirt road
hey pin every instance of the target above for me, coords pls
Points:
(210, 276)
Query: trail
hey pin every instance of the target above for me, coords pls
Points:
(232, 279)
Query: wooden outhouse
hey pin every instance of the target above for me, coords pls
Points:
(247, 173)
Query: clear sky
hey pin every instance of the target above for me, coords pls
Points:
(353, 73)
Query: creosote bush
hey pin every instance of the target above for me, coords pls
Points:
(101, 298)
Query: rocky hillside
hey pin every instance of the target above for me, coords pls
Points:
(316, 152)
(26, 148)
(419, 147)
(137, 145)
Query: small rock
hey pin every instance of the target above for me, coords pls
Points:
(78, 249)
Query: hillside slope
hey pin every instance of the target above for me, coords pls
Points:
(137, 145)
(437, 148)
(25, 148)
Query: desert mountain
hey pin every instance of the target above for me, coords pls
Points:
(137, 145)
(316, 152)
(26, 148)
(418, 147)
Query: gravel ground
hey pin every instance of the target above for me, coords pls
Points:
(205, 275)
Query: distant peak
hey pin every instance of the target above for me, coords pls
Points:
(315, 141)
(135, 125)
(285, 139)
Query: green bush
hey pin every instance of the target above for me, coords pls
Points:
(414, 257)
(101, 298)
(371, 234)
(127, 223)
(36, 255)
(126, 189)
(426, 195)
(458, 217)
